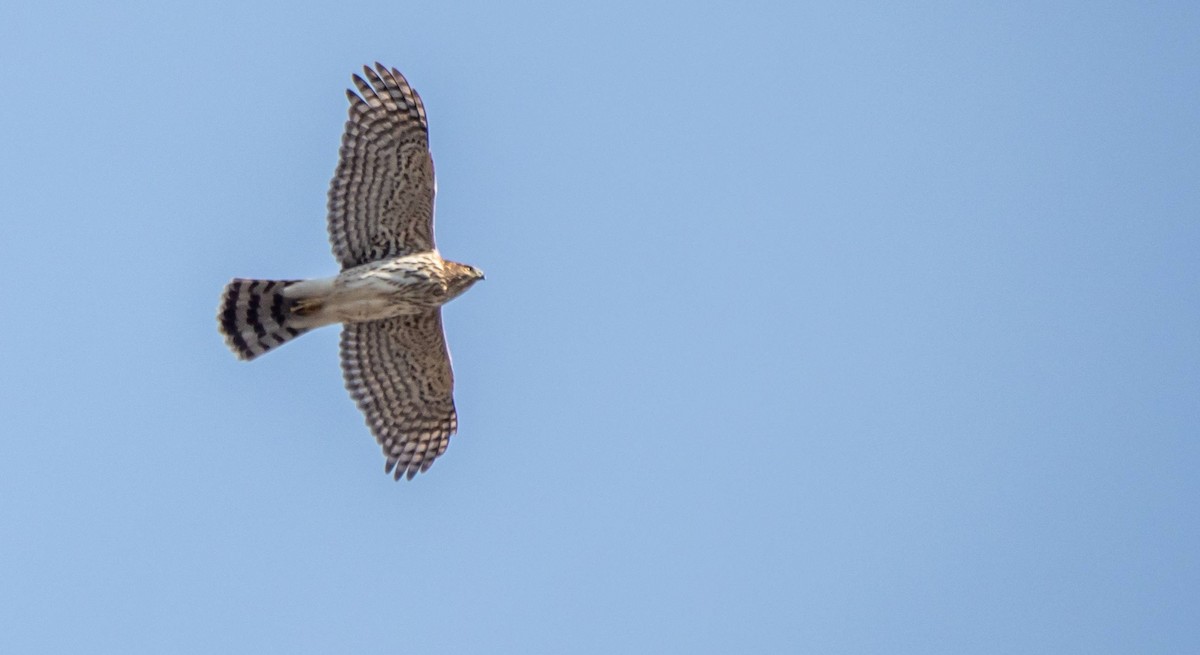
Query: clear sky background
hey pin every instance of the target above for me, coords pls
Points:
(807, 328)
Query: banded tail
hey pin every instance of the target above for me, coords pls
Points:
(256, 317)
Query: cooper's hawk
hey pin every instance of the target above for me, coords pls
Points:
(392, 285)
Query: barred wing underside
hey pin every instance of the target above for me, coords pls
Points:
(381, 196)
(398, 371)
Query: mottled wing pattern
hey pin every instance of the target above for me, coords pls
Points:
(398, 371)
(381, 196)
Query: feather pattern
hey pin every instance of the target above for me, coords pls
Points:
(381, 195)
(398, 372)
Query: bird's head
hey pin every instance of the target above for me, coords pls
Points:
(461, 277)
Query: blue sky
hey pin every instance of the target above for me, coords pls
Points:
(808, 327)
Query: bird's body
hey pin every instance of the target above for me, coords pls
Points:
(392, 284)
(393, 287)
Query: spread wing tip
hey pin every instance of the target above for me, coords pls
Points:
(408, 472)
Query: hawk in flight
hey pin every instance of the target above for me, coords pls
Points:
(393, 283)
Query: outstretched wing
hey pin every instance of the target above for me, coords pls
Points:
(398, 371)
(381, 196)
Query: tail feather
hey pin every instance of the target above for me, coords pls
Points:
(256, 317)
